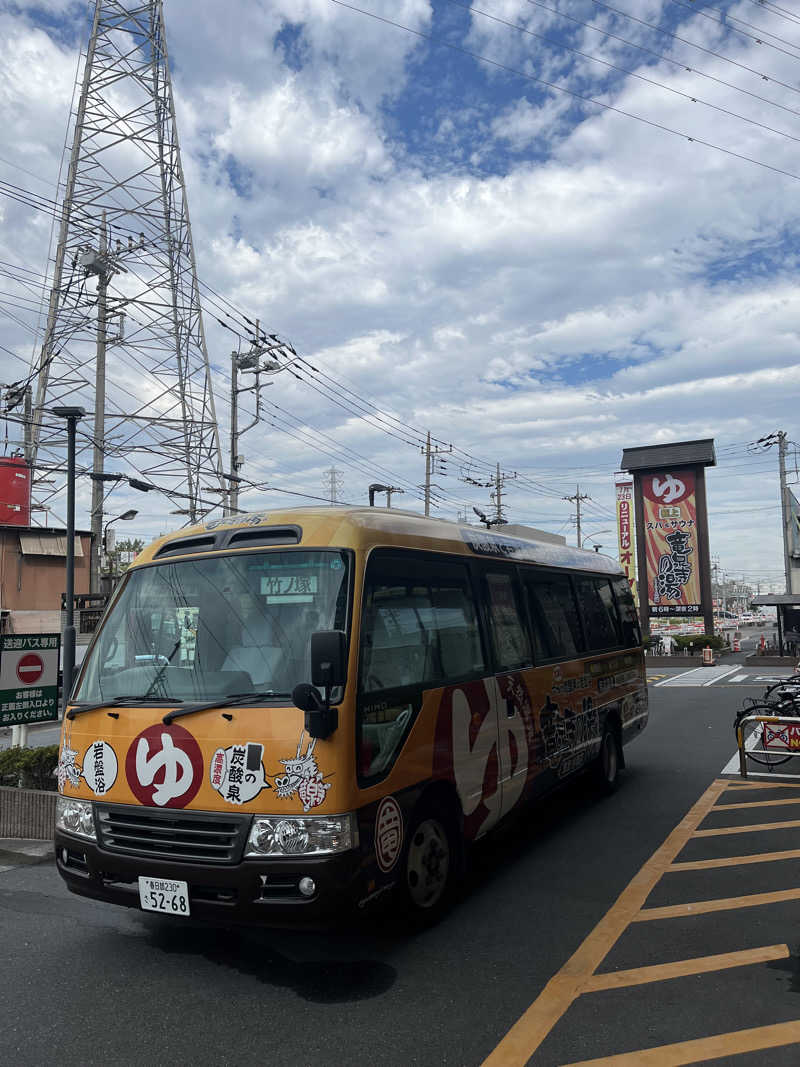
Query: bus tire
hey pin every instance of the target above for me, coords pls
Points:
(608, 763)
(432, 864)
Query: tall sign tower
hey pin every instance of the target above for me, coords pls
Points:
(124, 335)
(672, 530)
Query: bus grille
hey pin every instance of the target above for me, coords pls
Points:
(194, 837)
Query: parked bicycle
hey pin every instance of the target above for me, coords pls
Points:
(770, 744)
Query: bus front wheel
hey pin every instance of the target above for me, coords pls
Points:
(431, 865)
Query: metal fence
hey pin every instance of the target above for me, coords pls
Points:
(27, 813)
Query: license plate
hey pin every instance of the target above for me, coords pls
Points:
(164, 896)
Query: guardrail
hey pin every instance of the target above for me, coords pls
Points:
(768, 740)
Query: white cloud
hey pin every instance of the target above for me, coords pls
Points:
(608, 285)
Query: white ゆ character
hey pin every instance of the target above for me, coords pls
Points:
(178, 772)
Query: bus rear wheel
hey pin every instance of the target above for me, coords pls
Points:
(607, 764)
(431, 865)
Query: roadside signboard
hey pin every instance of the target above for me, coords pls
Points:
(28, 678)
(670, 533)
(625, 532)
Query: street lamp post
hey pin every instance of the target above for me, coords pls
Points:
(71, 414)
(126, 516)
(595, 534)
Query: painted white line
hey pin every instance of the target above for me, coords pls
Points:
(685, 674)
(721, 676)
(732, 766)
(739, 678)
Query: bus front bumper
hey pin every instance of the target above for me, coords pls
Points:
(253, 891)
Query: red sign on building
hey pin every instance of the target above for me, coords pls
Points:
(15, 492)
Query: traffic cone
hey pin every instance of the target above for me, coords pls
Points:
(736, 645)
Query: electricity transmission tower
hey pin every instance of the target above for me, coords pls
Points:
(333, 484)
(124, 335)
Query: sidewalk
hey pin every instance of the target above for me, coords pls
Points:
(16, 852)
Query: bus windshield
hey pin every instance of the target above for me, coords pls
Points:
(206, 628)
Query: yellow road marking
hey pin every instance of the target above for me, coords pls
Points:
(660, 972)
(719, 831)
(700, 907)
(733, 861)
(525, 1036)
(703, 1048)
(736, 786)
(756, 804)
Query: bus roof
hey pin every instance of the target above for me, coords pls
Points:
(365, 528)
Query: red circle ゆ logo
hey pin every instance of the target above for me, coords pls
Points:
(164, 766)
(29, 668)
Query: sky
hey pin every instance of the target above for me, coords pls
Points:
(541, 231)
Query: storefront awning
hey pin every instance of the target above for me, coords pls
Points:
(47, 544)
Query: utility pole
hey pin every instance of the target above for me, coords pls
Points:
(576, 500)
(430, 455)
(762, 445)
(786, 511)
(97, 263)
(236, 459)
(497, 496)
(333, 484)
(496, 484)
(247, 362)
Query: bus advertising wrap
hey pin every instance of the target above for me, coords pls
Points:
(625, 534)
(671, 543)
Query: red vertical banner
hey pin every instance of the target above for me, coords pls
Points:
(625, 534)
(671, 543)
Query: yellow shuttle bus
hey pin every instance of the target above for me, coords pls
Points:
(288, 713)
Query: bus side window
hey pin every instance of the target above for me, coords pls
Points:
(419, 631)
(599, 613)
(509, 634)
(631, 634)
(557, 628)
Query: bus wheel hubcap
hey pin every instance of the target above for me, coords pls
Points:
(428, 863)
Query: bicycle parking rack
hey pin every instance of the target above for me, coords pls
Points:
(779, 741)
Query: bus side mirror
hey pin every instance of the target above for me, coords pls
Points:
(328, 669)
(328, 658)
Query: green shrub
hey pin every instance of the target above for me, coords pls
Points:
(29, 768)
(695, 643)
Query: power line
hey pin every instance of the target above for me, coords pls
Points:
(569, 92)
(562, 46)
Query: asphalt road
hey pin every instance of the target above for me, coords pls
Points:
(88, 983)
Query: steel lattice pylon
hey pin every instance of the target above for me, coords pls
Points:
(125, 303)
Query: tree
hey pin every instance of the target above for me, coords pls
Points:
(123, 555)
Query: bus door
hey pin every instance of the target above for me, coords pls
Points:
(508, 692)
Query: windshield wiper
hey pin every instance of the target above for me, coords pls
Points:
(229, 701)
(116, 701)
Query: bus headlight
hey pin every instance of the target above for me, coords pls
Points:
(75, 817)
(300, 835)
